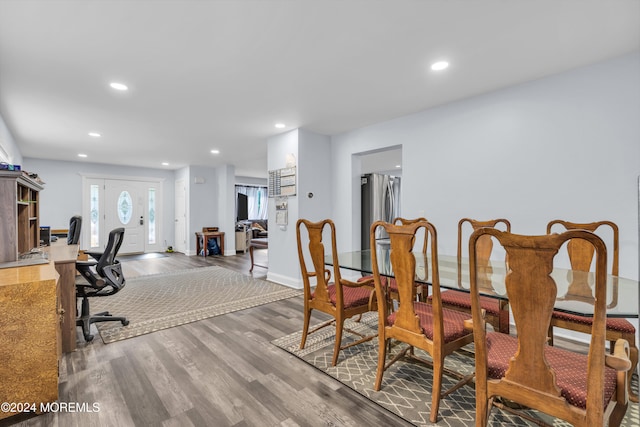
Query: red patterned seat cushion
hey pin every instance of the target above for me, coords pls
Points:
(570, 368)
(614, 324)
(353, 297)
(453, 321)
(463, 300)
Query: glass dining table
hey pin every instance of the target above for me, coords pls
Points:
(575, 288)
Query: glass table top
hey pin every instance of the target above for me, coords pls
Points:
(575, 288)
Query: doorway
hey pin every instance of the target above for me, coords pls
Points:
(135, 205)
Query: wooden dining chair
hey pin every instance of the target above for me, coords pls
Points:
(583, 389)
(340, 298)
(497, 310)
(581, 255)
(429, 327)
(422, 289)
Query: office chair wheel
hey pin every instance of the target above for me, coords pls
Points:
(88, 338)
(125, 322)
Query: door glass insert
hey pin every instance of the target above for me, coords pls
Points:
(125, 207)
(152, 216)
(95, 216)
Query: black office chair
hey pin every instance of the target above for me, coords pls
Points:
(75, 225)
(104, 277)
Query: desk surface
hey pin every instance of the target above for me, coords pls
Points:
(622, 293)
(27, 274)
(60, 252)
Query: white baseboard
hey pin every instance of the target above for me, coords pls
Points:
(291, 282)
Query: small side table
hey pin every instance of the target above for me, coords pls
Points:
(202, 238)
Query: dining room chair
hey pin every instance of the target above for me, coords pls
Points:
(429, 327)
(422, 289)
(581, 256)
(497, 310)
(582, 389)
(340, 298)
(102, 277)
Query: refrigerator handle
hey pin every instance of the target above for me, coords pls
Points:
(392, 207)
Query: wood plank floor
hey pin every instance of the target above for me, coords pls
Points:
(221, 371)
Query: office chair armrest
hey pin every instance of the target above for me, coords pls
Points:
(95, 255)
(80, 265)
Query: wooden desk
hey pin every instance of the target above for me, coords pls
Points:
(202, 238)
(64, 258)
(29, 334)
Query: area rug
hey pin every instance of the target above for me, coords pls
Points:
(136, 257)
(161, 301)
(406, 386)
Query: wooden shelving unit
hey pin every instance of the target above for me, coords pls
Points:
(19, 210)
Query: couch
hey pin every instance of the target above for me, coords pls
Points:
(259, 228)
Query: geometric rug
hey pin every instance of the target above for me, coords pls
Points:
(406, 385)
(162, 301)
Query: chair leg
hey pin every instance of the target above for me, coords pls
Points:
(550, 335)
(633, 356)
(305, 327)
(86, 328)
(503, 318)
(86, 319)
(336, 347)
(382, 357)
(437, 386)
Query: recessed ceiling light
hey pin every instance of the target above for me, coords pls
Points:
(95, 134)
(215, 151)
(398, 166)
(82, 155)
(165, 163)
(118, 86)
(440, 65)
(280, 125)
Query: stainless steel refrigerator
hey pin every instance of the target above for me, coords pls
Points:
(380, 202)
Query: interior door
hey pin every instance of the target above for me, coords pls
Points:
(125, 199)
(180, 216)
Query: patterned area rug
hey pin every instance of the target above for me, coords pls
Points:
(406, 386)
(162, 301)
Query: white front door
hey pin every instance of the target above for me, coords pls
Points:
(134, 205)
(124, 205)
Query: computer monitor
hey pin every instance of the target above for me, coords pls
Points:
(45, 236)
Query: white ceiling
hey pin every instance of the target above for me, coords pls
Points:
(219, 74)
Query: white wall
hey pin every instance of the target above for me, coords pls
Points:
(313, 155)
(8, 149)
(314, 176)
(202, 202)
(226, 206)
(62, 194)
(283, 258)
(566, 146)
